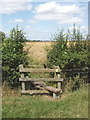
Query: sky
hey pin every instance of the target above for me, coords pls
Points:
(41, 19)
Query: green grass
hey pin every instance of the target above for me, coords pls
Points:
(70, 105)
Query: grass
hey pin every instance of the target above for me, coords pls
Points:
(70, 105)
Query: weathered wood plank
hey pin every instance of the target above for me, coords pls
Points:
(34, 66)
(40, 87)
(34, 91)
(52, 89)
(35, 70)
(41, 79)
(39, 83)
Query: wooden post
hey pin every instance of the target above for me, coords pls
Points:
(22, 76)
(56, 75)
(56, 95)
(59, 85)
(23, 83)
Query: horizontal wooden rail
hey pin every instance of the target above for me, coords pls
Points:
(41, 79)
(34, 66)
(35, 70)
(31, 92)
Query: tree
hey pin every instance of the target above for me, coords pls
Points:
(72, 59)
(13, 55)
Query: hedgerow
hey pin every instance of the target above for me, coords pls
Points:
(70, 53)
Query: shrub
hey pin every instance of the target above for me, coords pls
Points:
(72, 58)
(13, 55)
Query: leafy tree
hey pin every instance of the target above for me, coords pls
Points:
(13, 55)
(72, 58)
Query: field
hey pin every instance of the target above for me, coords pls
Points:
(69, 105)
(36, 51)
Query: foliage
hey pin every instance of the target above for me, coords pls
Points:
(2, 36)
(71, 53)
(13, 55)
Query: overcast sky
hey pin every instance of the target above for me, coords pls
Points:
(41, 19)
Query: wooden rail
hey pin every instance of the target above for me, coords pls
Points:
(41, 79)
(37, 81)
(37, 70)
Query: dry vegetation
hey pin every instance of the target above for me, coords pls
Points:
(36, 51)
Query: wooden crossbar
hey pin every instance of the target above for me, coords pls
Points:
(41, 79)
(34, 66)
(39, 83)
(35, 70)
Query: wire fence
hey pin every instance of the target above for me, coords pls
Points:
(74, 72)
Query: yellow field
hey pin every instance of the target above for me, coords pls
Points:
(36, 51)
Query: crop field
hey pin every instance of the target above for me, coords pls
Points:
(37, 52)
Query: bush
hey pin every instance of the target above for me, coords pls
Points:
(70, 53)
(13, 55)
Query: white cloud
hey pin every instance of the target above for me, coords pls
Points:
(12, 7)
(55, 7)
(64, 14)
(16, 21)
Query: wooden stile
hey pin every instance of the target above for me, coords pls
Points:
(39, 82)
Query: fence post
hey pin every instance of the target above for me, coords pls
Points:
(22, 76)
(56, 95)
